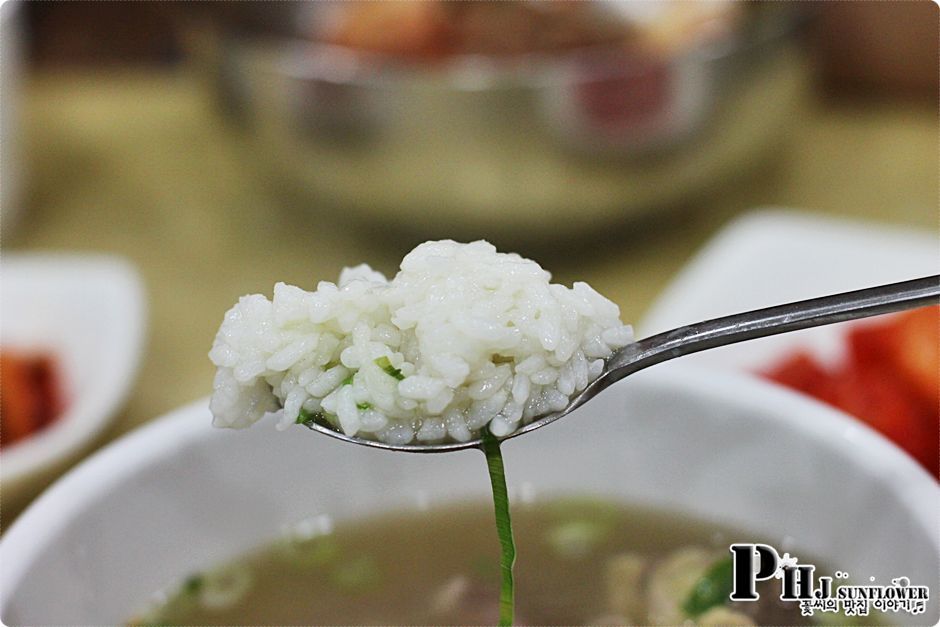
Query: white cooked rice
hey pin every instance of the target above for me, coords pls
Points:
(477, 338)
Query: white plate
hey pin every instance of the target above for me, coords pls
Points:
(88, 312)
(770, 257)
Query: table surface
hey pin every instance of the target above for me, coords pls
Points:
(138, 164)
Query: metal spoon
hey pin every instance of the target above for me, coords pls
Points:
(710, 334)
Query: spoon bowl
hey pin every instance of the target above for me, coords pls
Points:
(701, 336)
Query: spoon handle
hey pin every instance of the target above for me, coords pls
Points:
(771, 321)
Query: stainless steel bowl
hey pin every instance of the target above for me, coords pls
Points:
(538, 146)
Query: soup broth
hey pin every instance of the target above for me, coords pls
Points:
(579, 562)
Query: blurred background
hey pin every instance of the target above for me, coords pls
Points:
(221, 147)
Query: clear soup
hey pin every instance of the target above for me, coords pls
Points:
(578, 562)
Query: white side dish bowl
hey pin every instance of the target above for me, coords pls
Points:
(773, 256)
(177, 495)
(88, 312)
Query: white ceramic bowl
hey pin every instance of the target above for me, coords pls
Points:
(773, 256)
(89, 313)
(177, 495)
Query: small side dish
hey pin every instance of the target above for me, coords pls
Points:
(888, 379)
(88, 314)
(30, 394)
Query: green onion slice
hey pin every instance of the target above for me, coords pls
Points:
(712, 588)
(386, 365)
(494, 463)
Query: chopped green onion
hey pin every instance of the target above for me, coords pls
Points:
(712, 588)
(595, 509)
(314, 552)
(386, 365)
(307, 418)
(364, 406)
(578, 526)
(494, 463)
(225, 586)
(576, 539)
(359, 574)
(193, 584)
